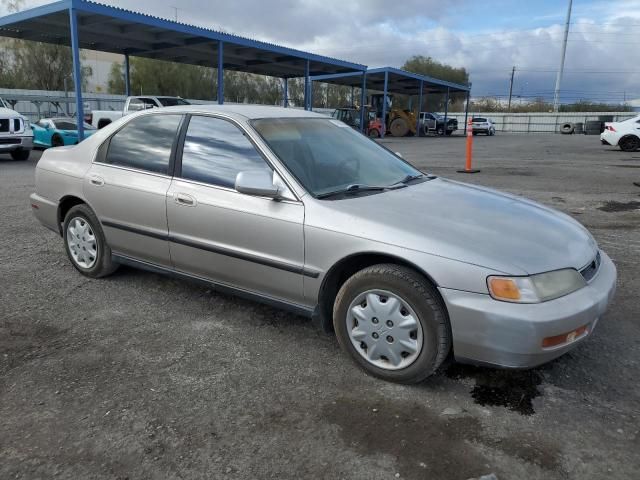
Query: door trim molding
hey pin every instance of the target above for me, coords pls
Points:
(209, 247)
(219, 287)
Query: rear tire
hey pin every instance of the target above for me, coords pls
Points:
(81, 229)
(630, 143)
(374, 133)
(420, 315)
(21, 155)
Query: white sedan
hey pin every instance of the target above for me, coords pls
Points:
(625, 134)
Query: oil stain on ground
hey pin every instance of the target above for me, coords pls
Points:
(614, 206)
(428, 445)
(513, 389)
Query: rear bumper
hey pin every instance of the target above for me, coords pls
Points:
(45, 211)
(510, 335)
(17, 143)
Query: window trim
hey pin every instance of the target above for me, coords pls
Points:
(101, 155)
(247, 133)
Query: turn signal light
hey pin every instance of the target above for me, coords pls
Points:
(504, 288)
(565, 337)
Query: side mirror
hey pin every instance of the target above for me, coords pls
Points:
(258, 183)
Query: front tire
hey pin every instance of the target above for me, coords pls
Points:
(56, 141)
(393, 323)
(21, 155)
(85, 243)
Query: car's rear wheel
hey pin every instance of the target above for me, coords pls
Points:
(20, 154)
(374, 133)
(85, 243)
(393, 323)
(630, 143)
(56, 141)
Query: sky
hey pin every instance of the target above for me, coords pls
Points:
(487, 37)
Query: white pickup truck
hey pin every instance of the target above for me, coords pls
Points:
(102, 118)
(16, 136)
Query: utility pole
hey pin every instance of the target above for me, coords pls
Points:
(556, 95)
(513, 72)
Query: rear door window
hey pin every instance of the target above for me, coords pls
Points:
(145, 143)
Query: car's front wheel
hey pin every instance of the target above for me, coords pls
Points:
(85, 243)
(393, 323)
(20, 154)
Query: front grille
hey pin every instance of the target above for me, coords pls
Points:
(590, 270)
(4, 124)
(10, 141)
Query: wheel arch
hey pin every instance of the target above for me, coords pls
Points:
(67, 203)
(344, 268)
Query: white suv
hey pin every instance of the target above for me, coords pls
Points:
(483, 125)
(16, 136)
(625, 134)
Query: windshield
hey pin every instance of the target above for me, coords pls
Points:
(326, 155)
(172, 102)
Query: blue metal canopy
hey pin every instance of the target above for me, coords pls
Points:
(95, 26)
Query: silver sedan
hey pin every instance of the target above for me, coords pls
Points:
(298, 210)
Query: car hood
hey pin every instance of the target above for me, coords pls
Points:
(8, 113)
(464, 222)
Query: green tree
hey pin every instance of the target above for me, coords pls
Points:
(432, 68)
(37, 65)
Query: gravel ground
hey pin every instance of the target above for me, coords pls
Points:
(143, 376)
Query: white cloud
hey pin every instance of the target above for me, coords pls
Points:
(376, 33)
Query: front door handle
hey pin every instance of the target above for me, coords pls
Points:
(184, 199)
(96, 180)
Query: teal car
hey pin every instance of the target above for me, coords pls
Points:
(56, 132)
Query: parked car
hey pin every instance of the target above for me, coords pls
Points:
(625, 135)
(294, 209)
(351, 116)
(483, 125)
(434, 123)
(56, 132)
(102, 118)
(16, 137)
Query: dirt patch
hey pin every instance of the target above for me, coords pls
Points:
(22, 341)
(428, 445)
(614, 206)
(514, 390)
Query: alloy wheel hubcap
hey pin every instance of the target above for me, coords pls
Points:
(384, 329)
(82, 242)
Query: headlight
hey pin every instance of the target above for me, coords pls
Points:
(535, 288)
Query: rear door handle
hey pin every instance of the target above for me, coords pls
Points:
(184, 199)
(96, 180)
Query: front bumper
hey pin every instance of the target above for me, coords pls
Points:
(17, 143)
(510, 335)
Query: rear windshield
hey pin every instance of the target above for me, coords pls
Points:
(479, 119)
(172, 102)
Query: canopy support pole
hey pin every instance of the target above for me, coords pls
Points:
(77, 71)
(127, 76)
(220, 73)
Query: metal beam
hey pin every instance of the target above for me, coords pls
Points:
(363, 99)
(77, 71)
(220, 73)
(285, 87)
(466, 112)
(446, 112)
(384, 104)
(306, 85)
(127, 76)
(419, 108)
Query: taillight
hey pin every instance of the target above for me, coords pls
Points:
(610, 128)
